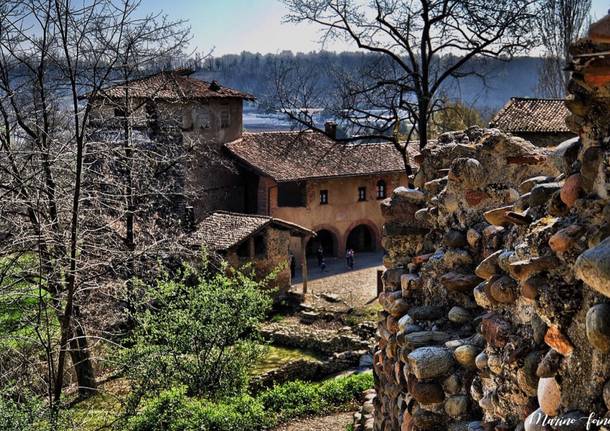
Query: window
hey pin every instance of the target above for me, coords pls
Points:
(323, 197)
(361, 194)
(291, 194)
(260, 247)
(201, 117)
(243, 250)
(381, 189)
(225, 120)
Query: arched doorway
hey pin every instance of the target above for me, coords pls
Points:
(326, 239)
(360, 239)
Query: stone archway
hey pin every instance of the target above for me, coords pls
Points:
(325, 238)
(361, 239)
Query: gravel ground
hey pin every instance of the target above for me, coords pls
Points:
(355, 288)
(334, 422)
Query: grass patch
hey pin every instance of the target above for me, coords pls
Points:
(276, 356)
(364, 314)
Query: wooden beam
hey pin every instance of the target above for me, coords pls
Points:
(304, 264)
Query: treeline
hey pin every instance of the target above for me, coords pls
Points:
(256, 73)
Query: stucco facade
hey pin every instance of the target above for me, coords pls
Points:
(341, 215)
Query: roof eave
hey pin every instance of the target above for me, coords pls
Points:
(326, 177)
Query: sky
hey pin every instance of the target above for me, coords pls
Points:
(232, 26)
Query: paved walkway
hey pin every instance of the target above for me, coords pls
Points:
(355, 288)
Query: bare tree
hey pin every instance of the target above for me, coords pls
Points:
(560, 23)
(52, 53)
(423, 47)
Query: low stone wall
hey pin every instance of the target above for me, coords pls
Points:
(309, 338)
(308, 370)
(496, 309)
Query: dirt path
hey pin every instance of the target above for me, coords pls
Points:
(334, 422)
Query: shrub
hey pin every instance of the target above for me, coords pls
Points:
(298, 398)
(28, 413)
(173, 410)
(201, 334)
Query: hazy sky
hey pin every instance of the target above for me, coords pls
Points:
(232, 26)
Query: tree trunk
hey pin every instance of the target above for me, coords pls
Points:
(423, 130)
(83, 365)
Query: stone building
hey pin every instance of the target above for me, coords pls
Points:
(251, 239)
(540, 121)
(205, 114)
(331, 188)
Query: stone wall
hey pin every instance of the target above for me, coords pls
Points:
(494, 308)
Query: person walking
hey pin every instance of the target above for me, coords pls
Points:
(350, 258)
(320, 255)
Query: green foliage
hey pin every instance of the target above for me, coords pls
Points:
(21, 299)
(173, 410)
(276, 318)
(298, 398)
(28, 326)
(28, 413)
(201, 333)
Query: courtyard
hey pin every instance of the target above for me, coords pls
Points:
(352, 288)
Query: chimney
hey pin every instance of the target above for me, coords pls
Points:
(214, 86)
(189, 218)
(330, 128)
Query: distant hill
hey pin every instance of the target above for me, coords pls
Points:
(254, 73)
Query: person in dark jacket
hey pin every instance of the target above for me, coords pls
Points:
(293, 265)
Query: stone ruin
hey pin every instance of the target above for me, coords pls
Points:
(496, 309)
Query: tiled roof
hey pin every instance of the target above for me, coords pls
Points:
(223, 230)
(173, 85)
(292, 156)
(532, 115)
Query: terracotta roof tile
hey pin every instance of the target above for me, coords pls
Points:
(174, 85)
(293, 156)
(532, 115)
(223, 230)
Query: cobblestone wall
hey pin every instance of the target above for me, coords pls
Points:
(495, 306)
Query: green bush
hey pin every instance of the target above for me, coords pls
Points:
(201, 334)
(28, 413)
(298, 398)
(173, 410)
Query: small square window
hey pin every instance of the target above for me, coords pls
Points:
(361, 194)
(323, 197)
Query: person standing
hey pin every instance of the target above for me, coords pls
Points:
(293, 265)
(320, 255)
